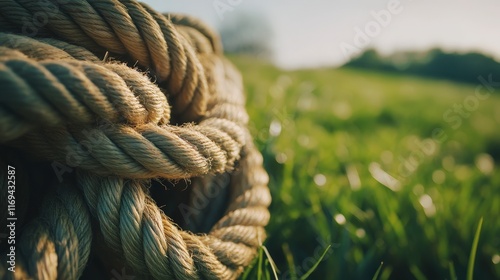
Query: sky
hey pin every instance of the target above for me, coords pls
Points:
(316, 33)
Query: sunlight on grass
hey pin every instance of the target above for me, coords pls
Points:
(356, 162)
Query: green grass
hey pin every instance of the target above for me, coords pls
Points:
(375, 277)
(338, 175)
(473, 252)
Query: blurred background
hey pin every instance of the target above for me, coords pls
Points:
(378, 122)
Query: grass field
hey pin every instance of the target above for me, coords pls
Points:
(379, 167)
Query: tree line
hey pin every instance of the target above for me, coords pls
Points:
(435, 63)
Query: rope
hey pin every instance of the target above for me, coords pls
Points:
(57, 244)
(131, 98)
(52, 92)
(199, 26)
(165, 252)
(125, 28)
(142, 151)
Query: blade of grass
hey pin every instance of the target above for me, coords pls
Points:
(377, 273)
(453, 274)
(266, 265)
(417, 273)
(271, 262)
(259, 265)
(310, 271)
(473, 251)
(386, 273)
(249, 270)
(290, 261)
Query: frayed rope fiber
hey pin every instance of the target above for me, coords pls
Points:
(128, 132)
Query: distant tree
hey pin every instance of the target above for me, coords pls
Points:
(370, 59)
(246, 33)
(434, 63)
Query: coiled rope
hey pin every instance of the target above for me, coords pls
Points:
(124, 98)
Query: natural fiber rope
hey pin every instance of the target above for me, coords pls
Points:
(125, 27)
(52, 92)
(196, 24)
(217, 138)
(43, 48)
(67, 97)
(57, 244)
(160, 251)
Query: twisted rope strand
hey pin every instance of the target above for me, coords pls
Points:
(15, 18)
(125, 27)
(196, 24)
(41, 49)
(200, 43)
(188, 83)
(52, 21)
(57, 245)
(146, 151)
(136, 30)
(50, 93)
